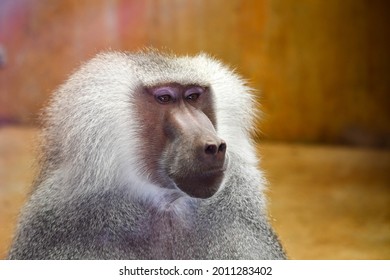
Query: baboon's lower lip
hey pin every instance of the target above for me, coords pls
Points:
(210, 172)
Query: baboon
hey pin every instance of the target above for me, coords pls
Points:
(148, 155)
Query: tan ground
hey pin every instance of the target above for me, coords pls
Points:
(325, 202)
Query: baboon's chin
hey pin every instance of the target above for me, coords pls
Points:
(200, 186)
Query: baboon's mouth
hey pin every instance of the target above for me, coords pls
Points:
(210, 172)
(202, 184)
(217, 170)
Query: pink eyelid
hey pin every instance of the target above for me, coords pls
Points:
(164, 91)
(195, 90)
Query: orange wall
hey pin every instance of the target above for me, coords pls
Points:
(321, 66)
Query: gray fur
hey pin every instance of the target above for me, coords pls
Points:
(93, 198)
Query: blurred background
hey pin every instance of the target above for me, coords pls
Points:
(320, 70)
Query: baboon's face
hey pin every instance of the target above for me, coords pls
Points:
(179, 141)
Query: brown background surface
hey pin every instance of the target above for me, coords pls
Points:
(321, 66)
(321, 71)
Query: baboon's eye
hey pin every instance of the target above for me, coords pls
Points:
(193, 96)
(164, 95)
(166, 98)
(193, 93)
